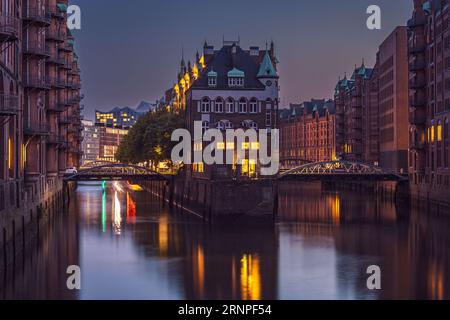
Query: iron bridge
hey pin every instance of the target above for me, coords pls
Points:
(116, 172)
(342, 170)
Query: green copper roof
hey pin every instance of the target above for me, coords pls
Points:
(236, 73)
(427, 7)
(62, 7)
(267, 70)
(212, 74)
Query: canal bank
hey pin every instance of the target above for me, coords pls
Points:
(218, 201)
(20, 228)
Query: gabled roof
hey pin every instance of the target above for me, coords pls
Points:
(222, 62)
(266, 69)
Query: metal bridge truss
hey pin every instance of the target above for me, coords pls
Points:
(341, 170)
(116, 172)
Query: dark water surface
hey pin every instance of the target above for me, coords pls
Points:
(129, 247)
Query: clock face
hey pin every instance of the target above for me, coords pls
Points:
(268, 83)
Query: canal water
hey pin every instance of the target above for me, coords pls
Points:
(129, 246)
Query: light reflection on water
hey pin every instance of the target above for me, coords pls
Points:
(320, 249)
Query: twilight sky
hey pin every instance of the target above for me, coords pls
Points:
(130, 49)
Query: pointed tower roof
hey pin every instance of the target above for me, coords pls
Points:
(267, 70)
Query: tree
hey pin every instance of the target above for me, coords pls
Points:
(149, 140)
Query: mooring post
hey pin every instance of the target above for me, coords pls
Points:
(164, 194)
(5, 250)
(23, 234)
(171, 191)
(275, 201)
(14, 240)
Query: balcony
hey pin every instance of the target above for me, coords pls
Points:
(417, 117)
(75, 72)
(57, 83)
(36, 83)
(36, 48)
(57, 13)
(417, 65)
(67, 47)
(418, 102)
(67, 65)
(55, 139)
(417, 83)
(36, 129)
(73, 85)
(65, 120)
(9, 28)
(417, 145)
(416, 22)
(37, 15)
(9, 104)
(55, 107)
(54, 35)
(416, 48)
(55, 59)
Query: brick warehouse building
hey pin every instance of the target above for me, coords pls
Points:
(429, 65)
(307, 133)
(356, 110)
(372, 108)
(229, 88)
(40, 121)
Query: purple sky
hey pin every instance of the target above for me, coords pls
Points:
(130, 50)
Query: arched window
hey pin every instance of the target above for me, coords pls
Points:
(219, 105)
(253, 125)
(229, 106)
(243, 106)
(253, 106)
(206, 105)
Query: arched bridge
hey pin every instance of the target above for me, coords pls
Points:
(341, 170)
(114, 172)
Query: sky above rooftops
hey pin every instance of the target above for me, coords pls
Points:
(130, 50)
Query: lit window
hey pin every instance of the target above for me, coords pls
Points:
(253, 106)
(229, 107)
(219, 105)
(206, 105)
(212, 81)
(242, 106)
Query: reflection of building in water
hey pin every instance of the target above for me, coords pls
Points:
(213, 263)
(43, 274)
(307, 202)
(232, 264)
(428, 245)
(412, 254)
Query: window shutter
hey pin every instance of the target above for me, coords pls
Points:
(198, 106)
(259, 106)
(236, 106)
(213, 106)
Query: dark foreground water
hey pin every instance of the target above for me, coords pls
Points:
(129, 247)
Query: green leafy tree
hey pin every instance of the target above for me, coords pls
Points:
(149, 139)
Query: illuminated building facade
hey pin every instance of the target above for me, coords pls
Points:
(109, 141)
(40, 120)
(429, 89)
(308, 132)
(118, 117)
(230, 88)
(91, 142)
(392, 73)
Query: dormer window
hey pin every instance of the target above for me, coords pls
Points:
(236, 78)
(212, 79)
